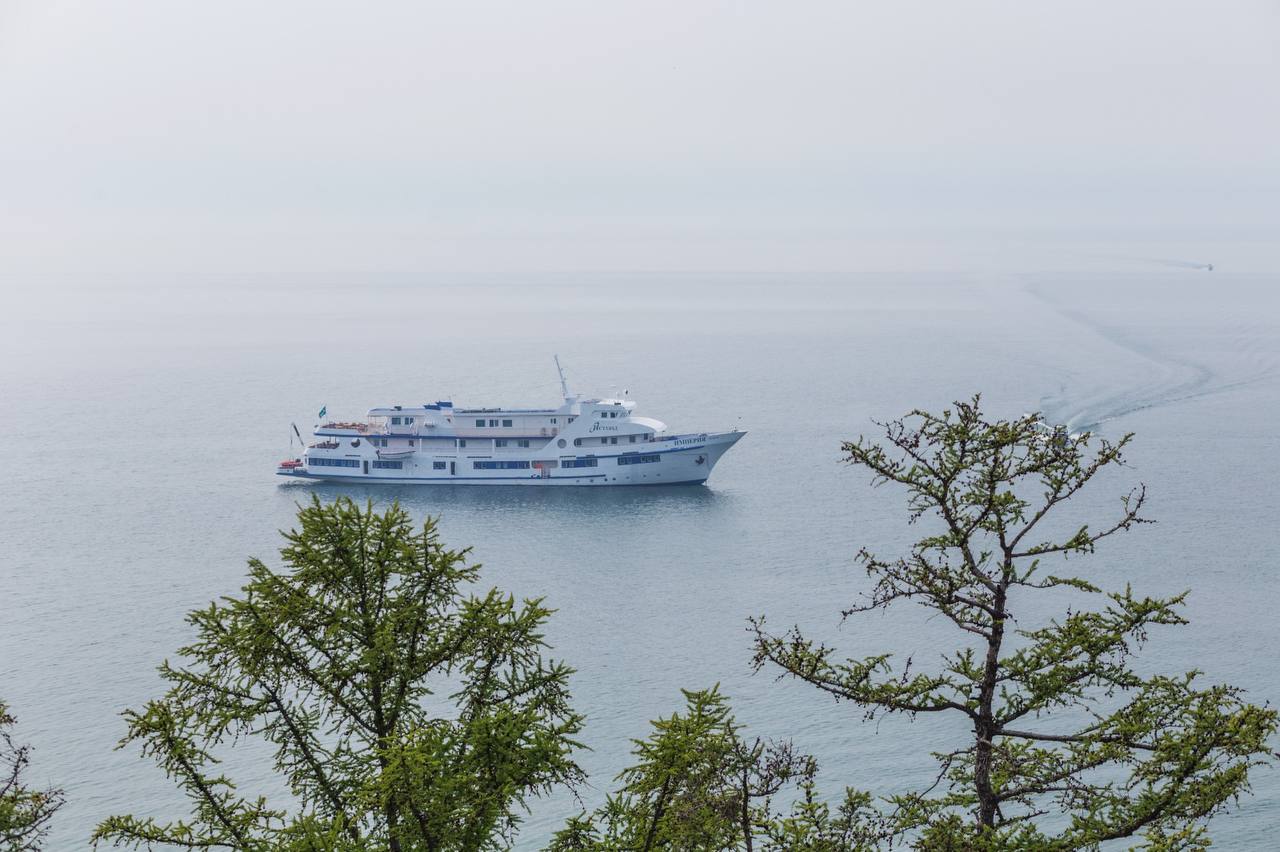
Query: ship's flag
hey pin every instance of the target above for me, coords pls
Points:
(324, 409)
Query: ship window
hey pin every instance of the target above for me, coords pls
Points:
(493, 422)
(632, 438)
(479, 422)
(553, 420)
(384, 443)
(577, 442)
(506, 422)
(571, 419)
(501, 442)
(408, 421)
(500, 465)
(439, 465)
(588, 462)
(523, 442)
(320, 461)
(395, 421)
(634, 459)
(462, 442)
(388, 465)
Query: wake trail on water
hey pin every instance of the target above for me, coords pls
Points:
(1155, 377)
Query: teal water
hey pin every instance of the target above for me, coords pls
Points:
(142, 427)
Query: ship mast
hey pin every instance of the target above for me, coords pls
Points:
(564, 386)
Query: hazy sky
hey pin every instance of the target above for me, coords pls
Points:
(146, 140)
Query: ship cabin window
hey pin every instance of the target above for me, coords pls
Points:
(408, 421)
(523, 442)
(480, 422)
(634, 459)
(553, 420)
(506, 423)
(631, 438)
(439, 465)
(462, 442)
(388, 465)
(321, 461)
(395, 421)
(384, 442)
(577, 442)
(501, 442)
(571, 419)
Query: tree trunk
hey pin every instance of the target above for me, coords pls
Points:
(658, 807)
(984, 728)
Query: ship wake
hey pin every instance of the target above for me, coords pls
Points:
(1152, 366)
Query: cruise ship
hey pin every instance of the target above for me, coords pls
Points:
(581, 442)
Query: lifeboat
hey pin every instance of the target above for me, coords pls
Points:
(291, 464)
(396, 453)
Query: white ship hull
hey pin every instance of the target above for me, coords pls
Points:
(581, 442)
(680, 460)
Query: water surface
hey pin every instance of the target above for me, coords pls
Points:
(142, 427)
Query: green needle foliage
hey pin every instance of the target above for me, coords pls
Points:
(336, 662)
(1070, 746)
(24, 812)
(698, 784)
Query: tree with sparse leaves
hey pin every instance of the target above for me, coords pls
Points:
(24, 812)
(404, 711)
(698, 784)
(1071, 747)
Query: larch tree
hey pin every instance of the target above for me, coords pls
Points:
(404, 711)
(25, 812)
(698, 783)
(1070, 746)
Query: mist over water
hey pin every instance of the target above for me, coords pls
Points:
(145, 424)
(216, 219)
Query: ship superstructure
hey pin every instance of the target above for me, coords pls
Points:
(581, 442)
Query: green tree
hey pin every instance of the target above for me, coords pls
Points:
(1070, 746)
(404, 712)
(24, 812)
(697, 784)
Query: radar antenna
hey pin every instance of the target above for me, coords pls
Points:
(564, 386)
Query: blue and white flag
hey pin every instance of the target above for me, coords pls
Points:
(324, 409)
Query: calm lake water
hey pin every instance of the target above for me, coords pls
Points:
(144, 425)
